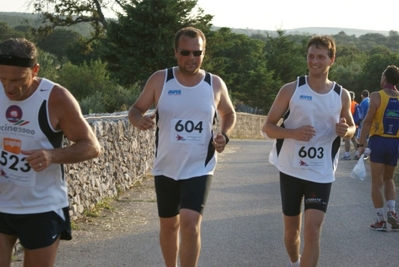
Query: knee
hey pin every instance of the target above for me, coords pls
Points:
(190, 228)
(169, 226)
(312, 235)
(291, 234)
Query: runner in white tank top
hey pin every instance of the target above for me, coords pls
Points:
(187, 100)
(35, 114)
(316, 114)
(185, 130)
(315, 159)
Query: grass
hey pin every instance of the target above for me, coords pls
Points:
(104, 204)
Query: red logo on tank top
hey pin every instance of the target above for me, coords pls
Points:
(179, 138)
(303, 163)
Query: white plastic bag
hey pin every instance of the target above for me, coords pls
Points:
(359, 171)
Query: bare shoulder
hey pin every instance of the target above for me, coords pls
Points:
(375, 98)
(375, 94)
(289, 86)
(219, 88)
(63, 108)
(156, 79)
(60, 95)
(345, 93)
(218, 82)
(287, 90)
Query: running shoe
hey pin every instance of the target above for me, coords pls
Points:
(379, 226)
(393, 219)
(346, 157)
(356, 157)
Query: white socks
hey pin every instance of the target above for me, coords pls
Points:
(380, 214)
(296, 264)
(391, 205)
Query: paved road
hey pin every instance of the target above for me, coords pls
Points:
(242, 222)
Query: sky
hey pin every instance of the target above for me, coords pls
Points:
(286, 14)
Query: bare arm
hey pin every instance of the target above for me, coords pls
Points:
(224, 106)
(346, 127)
(375, 102)
(147, 98)
(65, 115)
(225, 110)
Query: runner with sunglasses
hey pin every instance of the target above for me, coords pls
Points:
(188, 101)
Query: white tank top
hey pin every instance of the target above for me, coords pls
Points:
(24, 125)
(184, 133)
(317, 159)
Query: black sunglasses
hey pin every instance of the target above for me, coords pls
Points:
(186, 53)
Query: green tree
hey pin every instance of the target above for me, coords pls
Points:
(7, 32)
(120, 98)
(285, 57)
(348, 67)
(347, 50)
(261, 89)
(141, 41)
(373, 68)
(58, 13)
(81, 51)
(49, 65)
(238, 59)
(58, 42)
(86, 79)
(232, 55)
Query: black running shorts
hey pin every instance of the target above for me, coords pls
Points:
(37, 230)
(293, 190)
(174, 195)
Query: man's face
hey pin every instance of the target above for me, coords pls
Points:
(190, 63)
(17, 81)
(319, 62)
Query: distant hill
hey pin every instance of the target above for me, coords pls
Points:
(310, 31)
(14, 19)
(334, 31)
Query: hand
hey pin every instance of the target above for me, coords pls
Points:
(38, 159)
(341, 128)
(219, 142)
(304, 133)
(147, 122)
(360, 150)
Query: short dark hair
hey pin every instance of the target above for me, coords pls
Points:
(365, 93)
(323, 41)
(190, 32)
(18, 47)
(391, 74)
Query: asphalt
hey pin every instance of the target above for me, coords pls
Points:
(242, 223)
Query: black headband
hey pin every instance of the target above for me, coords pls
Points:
(17, 61)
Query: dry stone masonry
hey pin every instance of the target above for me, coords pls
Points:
(127, 155)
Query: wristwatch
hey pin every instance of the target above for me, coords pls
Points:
(226, 137)
(360, 145)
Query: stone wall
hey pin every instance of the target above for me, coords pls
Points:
(248, 126)
(126, 158)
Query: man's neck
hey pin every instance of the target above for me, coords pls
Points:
(320, 84)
